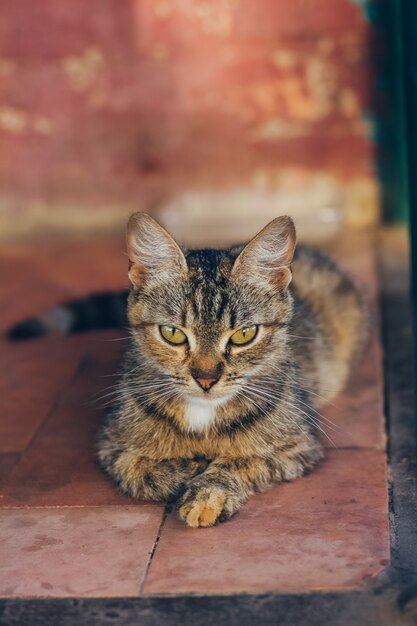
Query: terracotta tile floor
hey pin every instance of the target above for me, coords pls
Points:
(65, 531)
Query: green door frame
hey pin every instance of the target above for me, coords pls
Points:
(392, 123)
(408, 34)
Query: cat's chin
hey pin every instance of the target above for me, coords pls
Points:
(208, 399)
(200, 412)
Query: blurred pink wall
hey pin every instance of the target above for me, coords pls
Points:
(109, 105)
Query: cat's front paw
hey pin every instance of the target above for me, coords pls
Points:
(204, 509)
(206, 503)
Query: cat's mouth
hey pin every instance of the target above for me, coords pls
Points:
(208, 399)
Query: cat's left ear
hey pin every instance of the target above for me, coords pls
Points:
(269, 254)
(151, 250)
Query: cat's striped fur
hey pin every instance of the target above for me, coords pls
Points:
(168, 439)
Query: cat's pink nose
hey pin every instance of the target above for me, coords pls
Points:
(206, 378)
(206, 383)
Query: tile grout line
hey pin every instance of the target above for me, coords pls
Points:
(152, 554)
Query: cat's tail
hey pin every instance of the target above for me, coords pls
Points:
(97, 311)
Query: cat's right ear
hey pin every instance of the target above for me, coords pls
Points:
(151, 250)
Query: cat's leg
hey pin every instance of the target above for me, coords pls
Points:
(219, 492)
(151, 479)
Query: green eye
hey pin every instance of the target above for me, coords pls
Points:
(244, 335)
(173, 335)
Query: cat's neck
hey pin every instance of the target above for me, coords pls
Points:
(200, 413)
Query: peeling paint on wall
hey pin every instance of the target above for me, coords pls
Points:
(42, 125)
(13, 120)
(349, 103)
(150, 98)
(213, 19)
(17, 121)
(276, 128)
(83, 70)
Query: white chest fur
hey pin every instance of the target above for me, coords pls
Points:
(200, 414)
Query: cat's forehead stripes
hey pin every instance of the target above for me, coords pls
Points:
(216, 303)
(206, 300)
(209, 305)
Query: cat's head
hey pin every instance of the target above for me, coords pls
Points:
(209, 320)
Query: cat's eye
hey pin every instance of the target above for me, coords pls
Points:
(173, 335)
(244, 335)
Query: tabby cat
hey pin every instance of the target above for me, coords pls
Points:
(229, 361)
